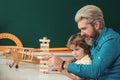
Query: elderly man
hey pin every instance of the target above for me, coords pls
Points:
(104, 47)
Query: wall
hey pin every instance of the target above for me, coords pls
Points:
(31, 20)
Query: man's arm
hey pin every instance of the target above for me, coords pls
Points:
(102, 60)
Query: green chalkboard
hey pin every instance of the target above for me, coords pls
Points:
(31, 20)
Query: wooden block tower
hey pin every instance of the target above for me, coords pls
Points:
(44, 46)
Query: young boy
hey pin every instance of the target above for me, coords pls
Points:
(80, 51)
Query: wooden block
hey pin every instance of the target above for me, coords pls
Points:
(44, 46)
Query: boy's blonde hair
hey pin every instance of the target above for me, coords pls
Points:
(78, 40)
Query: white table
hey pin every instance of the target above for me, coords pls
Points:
(26, 71)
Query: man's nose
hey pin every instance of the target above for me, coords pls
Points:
(82, 33)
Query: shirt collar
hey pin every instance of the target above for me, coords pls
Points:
(100, 35)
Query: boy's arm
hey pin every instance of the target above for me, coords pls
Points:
(71, 59)
(72, 76)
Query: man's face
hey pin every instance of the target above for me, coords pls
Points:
(88, 31)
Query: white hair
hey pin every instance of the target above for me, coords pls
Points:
(92, 13)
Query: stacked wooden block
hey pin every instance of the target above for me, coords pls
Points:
(44, 46)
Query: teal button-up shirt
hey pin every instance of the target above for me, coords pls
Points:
(105, 56)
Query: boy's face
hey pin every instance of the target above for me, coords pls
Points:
(77, 51)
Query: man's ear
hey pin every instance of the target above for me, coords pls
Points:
(97, 25)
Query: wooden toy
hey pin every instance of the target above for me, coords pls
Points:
(18, 54)
(44, 46)
(12, 37)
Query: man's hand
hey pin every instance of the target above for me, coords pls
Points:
(55, 62)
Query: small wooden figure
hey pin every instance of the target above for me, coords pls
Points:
(44, 46)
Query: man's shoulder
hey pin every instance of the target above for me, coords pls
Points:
(110, 34)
